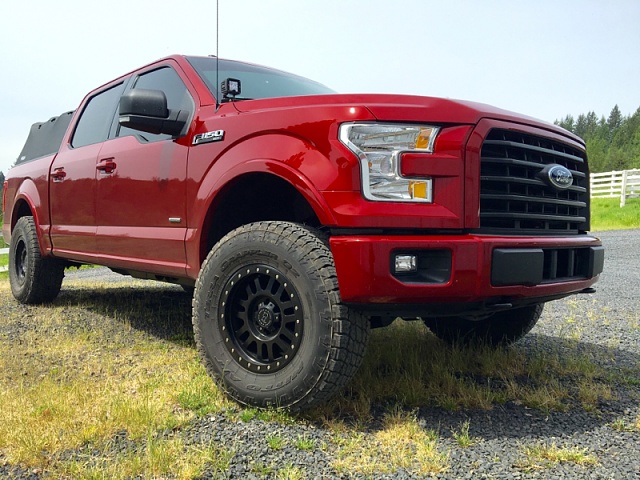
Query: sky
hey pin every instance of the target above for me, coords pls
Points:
(542, 58)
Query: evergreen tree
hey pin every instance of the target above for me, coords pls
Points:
(614, 122)
(567, 123)
(581, 125)
(613, 143)
(592, 125)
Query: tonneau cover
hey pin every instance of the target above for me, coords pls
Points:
(45, 138)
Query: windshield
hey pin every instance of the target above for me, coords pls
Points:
(257, 82)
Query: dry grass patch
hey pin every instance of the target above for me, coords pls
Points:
(401, 444)
(155, 458)
(546, 456)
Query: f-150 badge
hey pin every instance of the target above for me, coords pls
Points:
(214, 136)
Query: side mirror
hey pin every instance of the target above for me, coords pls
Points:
(146, 110)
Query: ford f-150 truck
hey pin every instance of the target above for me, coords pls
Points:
(301, 218)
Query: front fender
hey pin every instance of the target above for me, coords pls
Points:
(285, 156)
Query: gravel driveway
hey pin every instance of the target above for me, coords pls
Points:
(502, 431)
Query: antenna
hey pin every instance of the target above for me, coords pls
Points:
(217, 56)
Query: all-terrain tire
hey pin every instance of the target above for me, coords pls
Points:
(34, 279)
(268, 321)
(499, 329)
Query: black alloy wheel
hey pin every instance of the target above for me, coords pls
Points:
(262, 318)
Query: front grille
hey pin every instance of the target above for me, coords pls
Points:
(514, 199)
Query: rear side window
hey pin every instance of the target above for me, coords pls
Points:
(96, 118)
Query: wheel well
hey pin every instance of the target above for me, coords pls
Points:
(21, 209)
(252, 198)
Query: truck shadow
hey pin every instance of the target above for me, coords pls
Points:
(162, 311)
(589, 386)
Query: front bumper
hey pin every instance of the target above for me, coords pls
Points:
(463, 273)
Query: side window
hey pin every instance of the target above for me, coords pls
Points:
(178, 98)
(96, 118)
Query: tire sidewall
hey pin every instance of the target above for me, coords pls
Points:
(289, 385)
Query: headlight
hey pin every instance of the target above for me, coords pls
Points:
(379, 147)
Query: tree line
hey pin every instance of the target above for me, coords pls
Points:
(613, 143)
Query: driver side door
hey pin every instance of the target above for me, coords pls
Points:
(141, 188)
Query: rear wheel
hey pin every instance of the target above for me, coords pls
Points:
(500, 328)
(268, 320)
(33, 278)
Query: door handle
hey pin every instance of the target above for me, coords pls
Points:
(58, 174)
(106, 165)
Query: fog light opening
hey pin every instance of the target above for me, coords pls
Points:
(405, 264)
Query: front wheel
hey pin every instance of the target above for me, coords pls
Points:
(33, 278)
(501, 328)
(268, 320)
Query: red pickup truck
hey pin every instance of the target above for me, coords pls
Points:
(301, 218)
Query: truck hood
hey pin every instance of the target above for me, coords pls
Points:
(407, 108)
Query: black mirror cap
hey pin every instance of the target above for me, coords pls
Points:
(174, 125)
(146, 111)
(150, 103)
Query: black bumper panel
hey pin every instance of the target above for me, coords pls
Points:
(535, 266)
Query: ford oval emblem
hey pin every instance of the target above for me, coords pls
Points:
(557, 176)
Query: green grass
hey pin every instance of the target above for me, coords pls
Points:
(546, 456)
(86, 369)
(463, 437)
(3, 244)
(606, 214)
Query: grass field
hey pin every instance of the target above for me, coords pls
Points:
(606, 214)
(84, 369)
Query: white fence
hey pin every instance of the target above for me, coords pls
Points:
(623, 184)
(4, 251)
